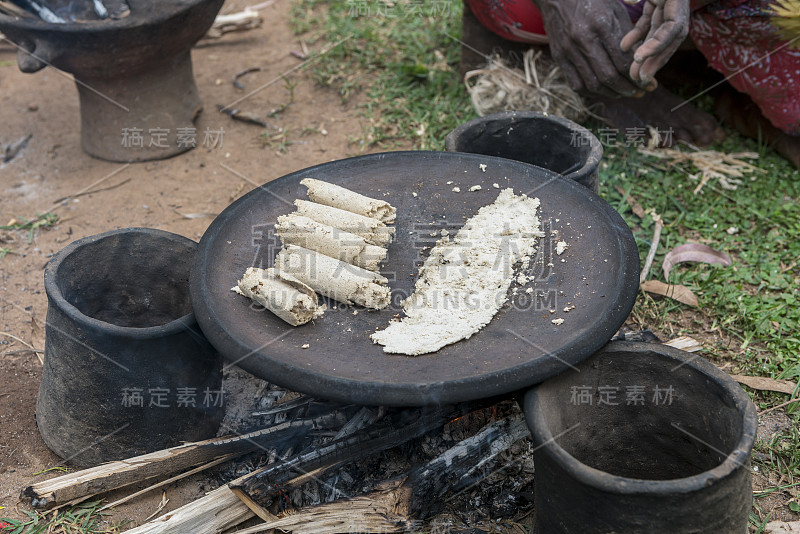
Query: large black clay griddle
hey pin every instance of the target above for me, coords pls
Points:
(520, 347)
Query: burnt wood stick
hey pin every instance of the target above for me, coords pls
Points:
(113, 475)
(460, 466)
(399, 504)
(263, 484)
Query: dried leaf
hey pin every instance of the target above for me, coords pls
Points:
(637, 208)
(678, 292)
(766, 384)
(693, 252)
(686, 343)
(779, 527)
(37, 334)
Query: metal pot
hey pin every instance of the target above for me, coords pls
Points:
(127, 370)
(553, 143)
(643, 439)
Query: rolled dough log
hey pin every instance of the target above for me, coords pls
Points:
(344, 246)
(333, 278)
(339, 197)
(372, 230)
(282, 294)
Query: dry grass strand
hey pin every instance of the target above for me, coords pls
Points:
(541, 86)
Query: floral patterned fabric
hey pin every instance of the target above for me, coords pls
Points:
(738, 40)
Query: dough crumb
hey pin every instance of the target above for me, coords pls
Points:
(475, 188)
(561, 246)
(305, 346)
(569, 308)
(413, 194)
(557, 321)
(496, 185)
(450, 182)
(456, 190)
(483, 167)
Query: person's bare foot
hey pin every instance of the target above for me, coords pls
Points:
(662, 110)
(739, 111)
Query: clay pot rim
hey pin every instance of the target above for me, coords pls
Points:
(133, 21)
(55, 295)
(616, 484)
(595, 147)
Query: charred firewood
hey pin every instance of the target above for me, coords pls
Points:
(112, 475)
(263, 485)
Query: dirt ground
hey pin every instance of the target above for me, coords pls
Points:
(154, 194)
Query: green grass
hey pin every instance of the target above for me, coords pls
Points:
(753, 303)
(781, 457)
(42, 220)
(81, 519)
(402, 59)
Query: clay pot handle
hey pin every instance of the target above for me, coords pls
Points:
(35, 56)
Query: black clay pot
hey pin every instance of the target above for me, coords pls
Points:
(127, 370)
(553, 143)
(643, 439)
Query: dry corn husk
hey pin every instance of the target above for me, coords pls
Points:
(540, 87)
(728, 169)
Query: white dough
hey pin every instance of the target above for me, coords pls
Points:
(333, 278)
(339, 197)
(372, 230)
(344, 246)
(464, 282)
(283, 295)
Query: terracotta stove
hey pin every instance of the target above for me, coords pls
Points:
(138, 97)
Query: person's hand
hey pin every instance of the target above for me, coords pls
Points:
(663, 27)
(585, 40)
